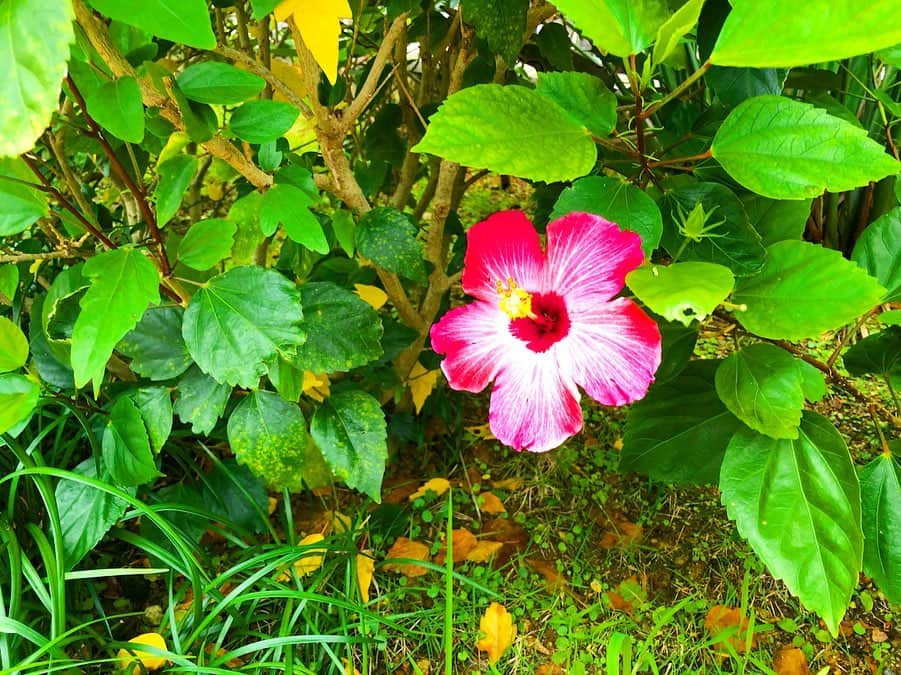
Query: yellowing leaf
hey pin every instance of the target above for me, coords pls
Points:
(291, 75)
(421, 382)
(407, 548)
(317, 387)
(497, 625)
(311, 558)
(131, 661)
(489, 503)
(374, 295)
(365, 568)
(319, 23)
(484, 551)
(437, 485)
(340, 523)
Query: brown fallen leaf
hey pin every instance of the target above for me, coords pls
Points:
(437, 485)
(513, 536)
(879, 635)
(365, 568)
(549, 669)
(553, 580)
(623, 535)
(489, 503)
(484, 551)
(407, 548)
(499, 629)
(464, 543)
(790, 661)
(509, 484)
(721, 619)
(629, 594)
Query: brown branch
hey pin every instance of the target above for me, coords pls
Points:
(30, 257)
(682, 160)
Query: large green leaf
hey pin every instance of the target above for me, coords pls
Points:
(240, 321)
(682, 291)
(619, 202)
(880, 494)
(622, 27)
(797, 502)
(675, 28)
(343, 331)
(126, 446)
(776, 220)
(763, 386)
(677, 345)
(585, 97)
(501, 22)
(878, 251)
(20, 205)
(510, 129)
(201, 400)
(262, 121)
(269, 436)
(86, 513)
(679, 432)
(289, 205)
(879, 353)
(206, 243)
(18, 397)
(117, 107)
(185, 21)
(13, 346)
(795, 34)
(175, 175)
(802, 291)
(34, 50)
(785, 149)
(155, 345)
(388, 238)
(735, 85)
(215, 82)
(155, 406)
(123, 283)
(349, 428)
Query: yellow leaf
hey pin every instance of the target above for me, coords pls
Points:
(340, 523)
(421, 382)
(132, 661)
(291, 75)
(319, 23)
(35, 266)
(311, 558)
(497, 625)
(482, 431)
(365, 568)
(348, 668)
(317, 387)
(374, 295)
(484, 551)
(437, 485)
(489, 503)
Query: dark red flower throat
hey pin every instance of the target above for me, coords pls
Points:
(549, 322)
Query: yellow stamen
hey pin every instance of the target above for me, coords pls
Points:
(514, 301)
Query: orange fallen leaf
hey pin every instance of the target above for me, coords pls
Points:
(464, 543)
(553, 580)
(374, 295)
(791, 661)
(311, 557)
(729, 620)
(365, 568)
(132, 660)
(489, 503)
(878, 635)
(407, 548)
(549, 669)
(623, 535)
(437, 485)
(510, 484)
(484, 551)
(499, 629)
(628, 595)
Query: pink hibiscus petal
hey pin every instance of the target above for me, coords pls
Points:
(589, 257)
(504, 246)
(473, 337)
(612, 351)
(532, 407)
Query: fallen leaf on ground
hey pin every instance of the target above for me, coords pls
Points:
(484, 551)
(365, 568)
(489, 503)
(510, 484)
(721, 619)
(791, 661)
(339, 523)
(879, 635)
(407, 548)
(311, 557)
(482, 431)
(319, 23)
(464, 543)
(374, 295)
(623, 535)
(233, 664)
(549, 669)
(512, 535)
(348, 669)
(628, 595)
(499, 629)
(437, 485)
(553, 580)
(132, 660)
(421, 382)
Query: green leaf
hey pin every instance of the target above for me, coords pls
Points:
(555, 46)
(802, 291)
(731, 241)
(621, 27)
(501, 22)
(289, 205)
(879, 353)
(175, 175)
(206, 243)
(13, 346)
(269, 436)
(85, 512)
(797, 502)
(123, 283)
(878, 251)
(117, 107)
(388, 238)
(880, 494)
(33, 55)
(813, 384)
(585, 97)
(262, 7)
(678, 433)
(240, 321)
(891, 317)
(201, 400)
(200, 121)
(785, 149)
(245, 212)
(233, 492)
(344, 227)
(677, 344)
(215, 82)
(622, 203)
(675, 28)
(349, 428)
(60, 310)
(287, 379)
(262, 121)
(790, 34)
(18, 397)
(762, 385)
(9, 280)
(155, 406)
(682, 291)
(20, 205)
(343, 331)
(777, 220)
(734, 85)
(126, 447)
(511, 130)
(185, 21)
(155, 345)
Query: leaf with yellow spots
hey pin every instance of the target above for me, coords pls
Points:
(437, 485)
(374, 295)
(311, 557)
(317, 387)
(319, 23)
(135, 661)
(499, 629)
(365, 568)
(421, 382)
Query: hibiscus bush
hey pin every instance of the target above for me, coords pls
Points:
(231, 235)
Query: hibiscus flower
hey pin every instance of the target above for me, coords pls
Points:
(544, 324)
